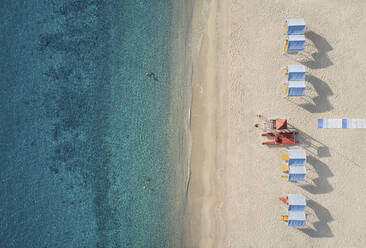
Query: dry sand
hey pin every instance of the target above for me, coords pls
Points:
(236, 181)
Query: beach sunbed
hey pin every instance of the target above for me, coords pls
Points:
(285, 157)
(284, 217)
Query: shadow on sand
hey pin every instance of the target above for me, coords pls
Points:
(319, 58)
(320, 228)
(320, 184)
(319, 103)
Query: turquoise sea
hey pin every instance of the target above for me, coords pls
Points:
(83, 130)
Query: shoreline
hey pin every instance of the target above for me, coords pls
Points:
(204, 225)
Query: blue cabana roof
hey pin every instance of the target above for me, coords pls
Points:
(296, 157)
(296, 72)
(296, 43)
(295, 26)
(296, 218)
(296, 202)
(297, 173)
(296, 88)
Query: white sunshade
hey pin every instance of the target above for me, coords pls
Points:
(296, 22)
(295, 68)
(296, 84)
(296, 154)
(295, 199)
(296, 38)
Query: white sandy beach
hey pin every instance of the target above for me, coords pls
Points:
(236, 181)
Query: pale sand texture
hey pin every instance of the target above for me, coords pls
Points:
(236, 181)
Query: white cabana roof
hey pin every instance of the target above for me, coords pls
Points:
(295, 68)
(296, 38)
(296, 88)
(294, 199)
(296, 22)
(296, 84)
(296, 218)
(297, 169)
(297, 156)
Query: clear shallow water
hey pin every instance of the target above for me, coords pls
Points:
(83, 130)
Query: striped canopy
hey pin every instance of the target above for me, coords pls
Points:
(296, 72)
(296, 88)
(297, 173)
(295, 26)
(342, 123)
(296, 43)
(296, 202)
(296, 218)
(297, 156)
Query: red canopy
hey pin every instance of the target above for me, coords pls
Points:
(281, 124)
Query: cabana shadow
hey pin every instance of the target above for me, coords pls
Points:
(321, 184)
(321, 103)
(321, 228)
(320, 58)
(311, 145)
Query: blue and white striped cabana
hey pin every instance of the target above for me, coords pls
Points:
(295, 26)
(296, 173)
(296, 218)
(296, 43)
(342, 123)
(296, 72)
(296, 88)
(296, 202)
(296, 157)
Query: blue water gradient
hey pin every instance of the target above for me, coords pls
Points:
(83, 130)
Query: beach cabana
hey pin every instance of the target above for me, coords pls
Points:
(295, 72)
(295, 157)
(295, 88)
(295, 26)
(295, 43)
(296, 173)
(296, 218)
(296, 202)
